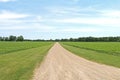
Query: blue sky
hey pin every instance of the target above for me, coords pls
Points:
(51, 19)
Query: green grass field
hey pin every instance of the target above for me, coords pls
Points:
(7, 47)
(112, 48)
(105, 53)
(19, 59)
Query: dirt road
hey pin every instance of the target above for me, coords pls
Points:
(61, 64)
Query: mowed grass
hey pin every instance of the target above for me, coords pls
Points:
(7, 47)
(94, 54)
(112, 48)
(19, 65)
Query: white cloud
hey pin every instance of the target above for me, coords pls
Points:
(39, 27)
(6, 0)
(110, 13)
(17, 21)
(11, 15)
(25, 25)
(38, 19)
(80, 30)
(8, 18)
(72, 11)
(83, 12)
(42, 27)
(13, 28)
(104, 18)
(29, 20)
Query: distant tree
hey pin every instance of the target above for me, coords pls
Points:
(94, 39)
(71, 39)
(36, 40)
(6, 39)
(64, 40)
(0, 38)
(20, 38)
(12, 38)
(57, 39)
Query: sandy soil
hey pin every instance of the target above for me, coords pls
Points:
(61, 64)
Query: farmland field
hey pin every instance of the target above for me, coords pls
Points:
(19, 59)
(7, 47)
(102, 52)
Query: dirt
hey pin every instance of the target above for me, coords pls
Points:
(60, 64)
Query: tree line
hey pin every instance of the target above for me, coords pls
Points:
(86, 39)
(12, 38)
(80, 39)
(92, 39)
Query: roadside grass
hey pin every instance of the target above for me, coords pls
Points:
(111, 48)
(21, 64)
(8, 47)
(94, 55)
